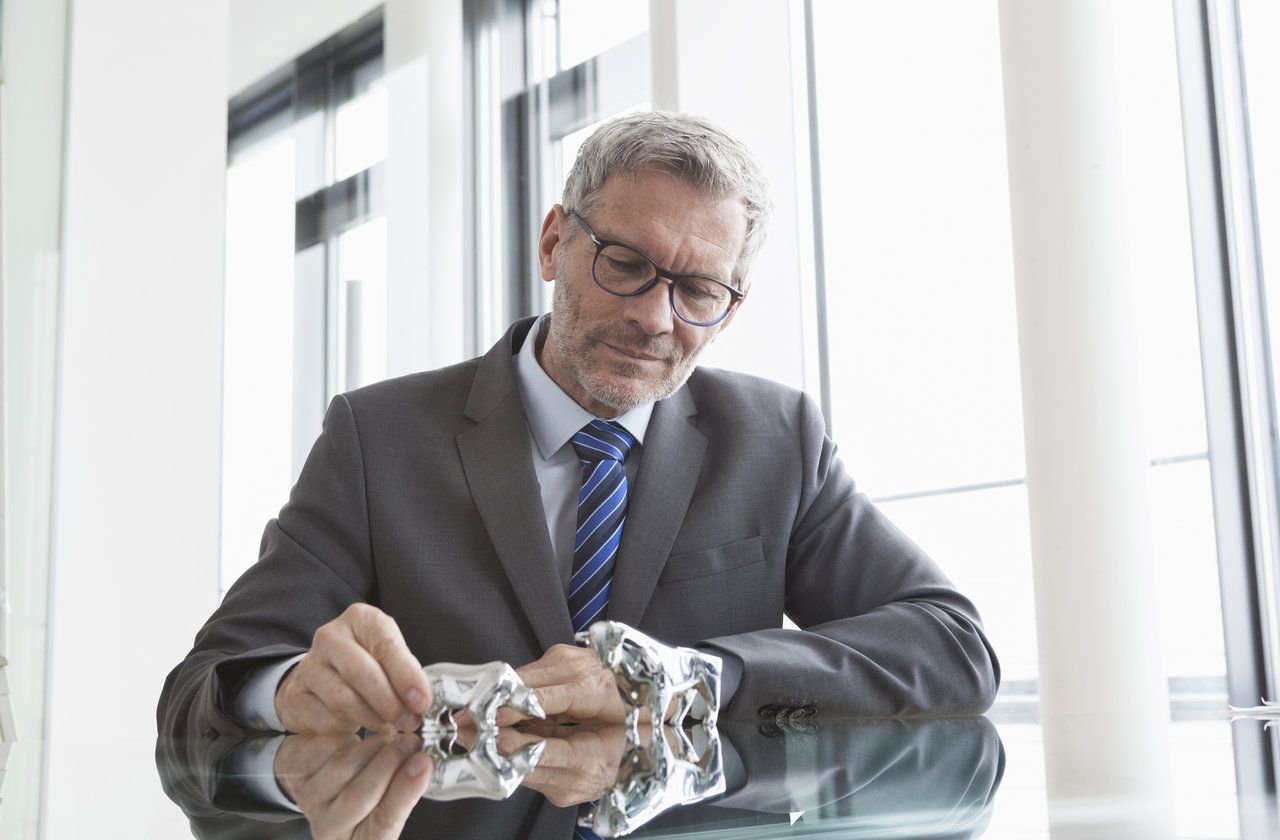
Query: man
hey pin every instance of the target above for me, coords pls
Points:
(438, 516)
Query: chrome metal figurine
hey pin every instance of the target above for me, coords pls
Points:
(650, 675)
(480, 771)
(479, 690)
(672, 769)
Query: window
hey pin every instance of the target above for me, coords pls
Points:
(544, 73)
(306, 270)
(925, 388)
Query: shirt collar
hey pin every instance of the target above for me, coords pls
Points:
(554, 416)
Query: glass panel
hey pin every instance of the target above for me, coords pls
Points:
(1185, 549)
(981, 539)
(257, 411)
(360, 133)
(1259, 28)
(919, 277)
(925, 388)
(32, 105)
(589, 27)
(568, 145)
(362, 301)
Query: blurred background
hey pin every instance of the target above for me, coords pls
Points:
(217, 215)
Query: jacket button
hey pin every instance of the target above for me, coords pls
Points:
(769, 712)
(810, 710)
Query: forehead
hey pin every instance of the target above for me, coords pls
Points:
(672, 221)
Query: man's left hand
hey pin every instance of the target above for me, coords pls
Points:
(570, 682)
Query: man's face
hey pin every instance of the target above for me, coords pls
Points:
(613, 353)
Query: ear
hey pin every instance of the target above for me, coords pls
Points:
(553, 228)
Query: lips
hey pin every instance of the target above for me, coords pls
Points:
(632, 354)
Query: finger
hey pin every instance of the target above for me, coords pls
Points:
(344, 654)
(558, 661)
(561, 788)
(581, 702)
(508, 716)
(364, 790)
(407, 786)
(318, 794)
(377, 633)
(511, 740)
(345, 703)
(301, 756)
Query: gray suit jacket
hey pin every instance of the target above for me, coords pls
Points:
(420, 497)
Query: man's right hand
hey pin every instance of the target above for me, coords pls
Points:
(358, 673)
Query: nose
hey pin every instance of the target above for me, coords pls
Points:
(652, 310)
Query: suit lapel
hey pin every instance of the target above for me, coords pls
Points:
(670, 461)
(498, 463)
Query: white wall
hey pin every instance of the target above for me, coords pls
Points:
(135, 524)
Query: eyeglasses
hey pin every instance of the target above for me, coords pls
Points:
(623, 271)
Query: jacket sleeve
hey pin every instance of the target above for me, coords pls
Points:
(315, 561)
(883, 631)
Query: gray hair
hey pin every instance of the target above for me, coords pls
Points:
(684, 145)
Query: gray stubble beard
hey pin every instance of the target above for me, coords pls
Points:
(582, 373)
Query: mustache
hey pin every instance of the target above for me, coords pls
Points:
(638, 341)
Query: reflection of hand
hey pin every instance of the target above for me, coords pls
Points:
(358, 673)
(577, 765)
(349, 788)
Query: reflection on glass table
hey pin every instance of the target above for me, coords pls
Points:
(917, 778)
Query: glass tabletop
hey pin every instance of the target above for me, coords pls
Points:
(948, 777)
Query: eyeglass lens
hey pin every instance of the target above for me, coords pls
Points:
(623, 271)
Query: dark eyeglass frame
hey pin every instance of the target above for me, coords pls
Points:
(660, 273)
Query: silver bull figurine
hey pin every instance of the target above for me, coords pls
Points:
(480, 771)
(669, 771)
(479, 690)
(650, 675)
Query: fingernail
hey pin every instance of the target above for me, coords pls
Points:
(417, 699)
(409, 722)
(415, 766)
(407, 744)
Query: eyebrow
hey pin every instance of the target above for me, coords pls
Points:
(642, 252)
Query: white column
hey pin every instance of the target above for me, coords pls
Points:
(698, 66)
(1104, 703)
(137, 466)
(425, 311)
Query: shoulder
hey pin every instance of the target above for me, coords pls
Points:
(426, 403)
(753, 404)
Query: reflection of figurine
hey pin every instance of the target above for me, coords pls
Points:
(480, 771)
(658, 777)
(479, 690)
(650, 674)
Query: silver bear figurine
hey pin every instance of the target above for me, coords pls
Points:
(480, 771)
(656, 777)
(479, 690)
(650, 675)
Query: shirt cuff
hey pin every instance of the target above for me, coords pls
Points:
(252, 766)
(730, 676)
(255, 705)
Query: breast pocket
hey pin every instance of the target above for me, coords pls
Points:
(715, 592)
(712, 561)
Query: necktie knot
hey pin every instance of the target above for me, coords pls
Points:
(602, 440)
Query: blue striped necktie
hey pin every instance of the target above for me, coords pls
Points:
(602, 447)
